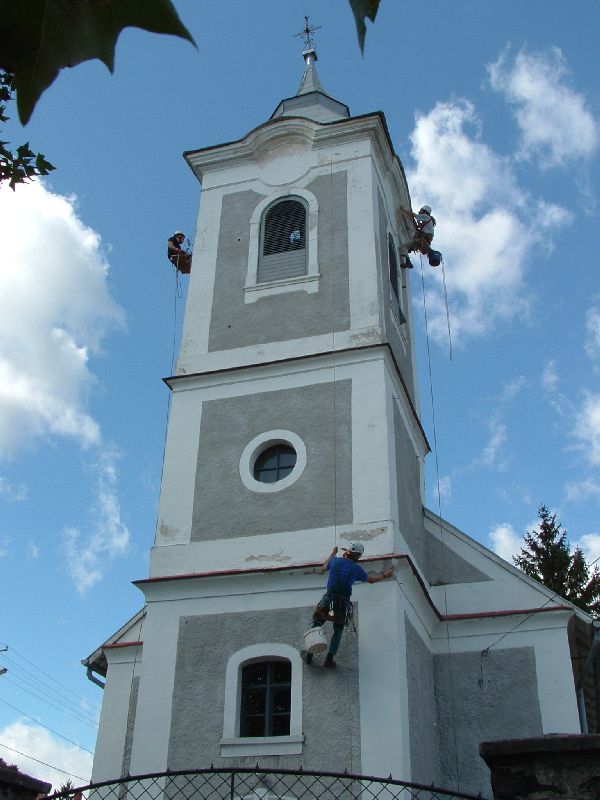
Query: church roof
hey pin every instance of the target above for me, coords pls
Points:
(311, 100)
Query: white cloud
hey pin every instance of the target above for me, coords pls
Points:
(505, 541)
(480, 223)
(445, 487)
(592, 342)
(40, 744)
(55, 310)
(33, 550)
(587, 428)
(556, 127)
(550, 379)
(86, 554)
(583, 490)
(13, 491)
(4, 542)
(590, 544)
(491, 452)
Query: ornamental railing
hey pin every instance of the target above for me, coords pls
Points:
(259, 784)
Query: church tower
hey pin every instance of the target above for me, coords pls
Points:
(294, 427)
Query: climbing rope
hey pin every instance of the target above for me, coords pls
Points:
(439, 501)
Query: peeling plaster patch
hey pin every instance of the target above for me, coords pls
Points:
(372, 335)
(167, 531)
(364, 535)
(278, 556)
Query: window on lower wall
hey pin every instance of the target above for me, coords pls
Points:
(263, 702)
(266, 699)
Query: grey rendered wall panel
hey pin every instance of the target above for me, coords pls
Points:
(331, 722)
(291, 315)
(421, 706)
(482, 699)
(225, 508)
(410, 515)
(443, 566)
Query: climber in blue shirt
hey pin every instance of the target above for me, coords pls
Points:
(335, 605)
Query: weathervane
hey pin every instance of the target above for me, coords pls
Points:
(307, 33)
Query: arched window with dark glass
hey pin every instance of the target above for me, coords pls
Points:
(393, 266)
(266, 698)
(283, 250)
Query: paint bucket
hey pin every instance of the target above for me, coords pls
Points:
(315, 640)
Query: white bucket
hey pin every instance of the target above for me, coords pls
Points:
(315, 640)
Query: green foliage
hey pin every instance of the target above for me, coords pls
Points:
(24, 164)
(547, 557)
(361, 10)
(40, 37)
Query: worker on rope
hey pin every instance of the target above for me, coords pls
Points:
(424, 223)
(182, 259)
(335, 605)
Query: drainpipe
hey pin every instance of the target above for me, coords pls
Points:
(586, 668)
(91, 677)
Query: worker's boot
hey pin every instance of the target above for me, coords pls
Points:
(329, 662)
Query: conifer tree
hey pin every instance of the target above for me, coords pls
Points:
(547, 557)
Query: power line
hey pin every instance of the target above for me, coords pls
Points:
(46, 675)
(78, 716)
(58, 769)
(56, 733)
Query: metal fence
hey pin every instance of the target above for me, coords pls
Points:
(259, 784)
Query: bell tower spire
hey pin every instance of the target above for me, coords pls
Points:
(311, 100)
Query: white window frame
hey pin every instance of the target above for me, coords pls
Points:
(253, 290)
(261, 443)
(234, 745)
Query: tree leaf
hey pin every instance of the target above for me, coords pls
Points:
(41, 37)
(362, 9)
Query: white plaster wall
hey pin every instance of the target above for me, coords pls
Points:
(174, 554)
(110, 744)
(287, 168)
(152, 723)
(382, 681)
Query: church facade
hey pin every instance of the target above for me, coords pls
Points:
(294, 428)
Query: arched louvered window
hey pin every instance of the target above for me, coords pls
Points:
(393, 266)
(283, 242)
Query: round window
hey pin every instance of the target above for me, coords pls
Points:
(275, 463)
(272, 461)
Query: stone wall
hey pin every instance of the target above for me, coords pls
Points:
(551, 767)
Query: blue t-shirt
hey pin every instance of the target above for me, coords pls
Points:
(343, 572)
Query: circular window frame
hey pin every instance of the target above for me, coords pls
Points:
(261, 443)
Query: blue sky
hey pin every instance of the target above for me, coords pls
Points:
(494, 111)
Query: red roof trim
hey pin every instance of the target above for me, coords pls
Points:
(114, 645)
(387, 557)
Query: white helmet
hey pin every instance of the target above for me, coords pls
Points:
(355, 547)
(426, 209)
(179, 233)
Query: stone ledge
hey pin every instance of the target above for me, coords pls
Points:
(551, 767)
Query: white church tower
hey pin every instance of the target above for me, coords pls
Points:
(294, 427)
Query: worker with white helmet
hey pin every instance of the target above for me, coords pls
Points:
(421, 241)
(335, 605)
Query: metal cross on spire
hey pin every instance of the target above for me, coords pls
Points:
(307, 33)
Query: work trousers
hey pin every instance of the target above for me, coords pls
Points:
(332, 608)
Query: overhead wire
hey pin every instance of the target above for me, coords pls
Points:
(63, 709)
(39, 761)
(27, 682)
(78, 697)
(41, 724)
